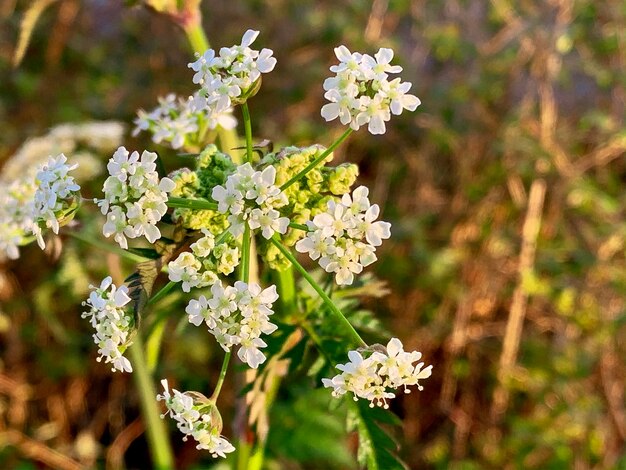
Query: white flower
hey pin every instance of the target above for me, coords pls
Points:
(205, 245)
(196, 416)
(237, 315)
(251, 197)
(361, 94)
(372, 377)
(18, 183)
(396, 91)
(316, 245)
(231, 74)
(378, 67)
(177, 120)
(269, 221)
(135, 199)
(201, 266)
(56, 191)
(16, 215)
(345, 237)
(107, 315)
(185, 269)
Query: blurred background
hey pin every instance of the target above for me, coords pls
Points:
(505, 190)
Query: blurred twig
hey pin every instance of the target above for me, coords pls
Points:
(116, 451)
(513, 333)
(38, 451)
(27, 26)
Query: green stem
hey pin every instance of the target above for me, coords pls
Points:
(329, 303)
(299, 226)
(286, 290)
(220, 380)
(245, 255)
(158, 437)
(201, 204)
(247, 123)
(317, 161)
(222, 237)
(107, 247)
(162, 293)
(153, 343)
(196, 37)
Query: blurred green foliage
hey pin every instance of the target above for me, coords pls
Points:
(512, 93)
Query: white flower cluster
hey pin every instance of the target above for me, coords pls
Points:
(56, 192)
(252, 197)
(237, 316)
(175, 118)
(113, 325)
(77, 141)
(197, 418)
(336, 236)
(201, 266)
(371, 378)
(18, 175)
(16, 221)
(230, 76)
(360, 92)
(134, 198)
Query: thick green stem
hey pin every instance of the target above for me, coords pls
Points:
(158, 438)
(153, 344)
(220, 380)
(196, 37)
(329, 303)
(247, 123)
(200, 204)
(318, 160)
(286, 290)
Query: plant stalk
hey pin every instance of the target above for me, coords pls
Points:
(329, 303)
(158, 438)
(247, 123)
(220, 380)
(200, 204)
(318, 160)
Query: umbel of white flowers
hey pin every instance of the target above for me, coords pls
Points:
(252, 197)
(237, 316)
(134, 198)
(361, 93)
(345, 237)
(198, 417)
(56, 192)
(202, 266)
(107, 314)
(230, 76)
(176, 119)
(371, 377)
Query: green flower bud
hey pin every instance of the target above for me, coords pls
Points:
(187, 183)
(341, 178)
(213, 167)
(193, 219)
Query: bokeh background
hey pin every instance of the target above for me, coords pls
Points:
(505, 190)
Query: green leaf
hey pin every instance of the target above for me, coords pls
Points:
(376, 446)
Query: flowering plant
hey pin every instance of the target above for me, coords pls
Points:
(226, 215)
